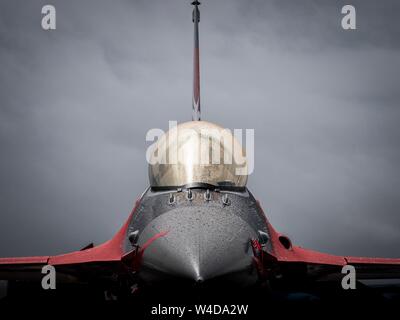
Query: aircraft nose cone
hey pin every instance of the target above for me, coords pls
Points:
(200, 244)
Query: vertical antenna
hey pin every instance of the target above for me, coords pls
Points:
(196, 63)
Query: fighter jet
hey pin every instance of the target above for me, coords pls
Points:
(196, 225)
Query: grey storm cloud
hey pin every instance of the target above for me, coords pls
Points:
(76, 103)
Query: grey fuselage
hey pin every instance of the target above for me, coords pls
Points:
(205, 235)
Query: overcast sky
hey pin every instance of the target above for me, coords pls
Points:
(76, 103)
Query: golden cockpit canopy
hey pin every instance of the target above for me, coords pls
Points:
(197, 152)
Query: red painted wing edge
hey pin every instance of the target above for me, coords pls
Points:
(298, 254)
(363, 260)
(111, 250)
(25, 260)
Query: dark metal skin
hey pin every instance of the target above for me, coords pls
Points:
(206, 234)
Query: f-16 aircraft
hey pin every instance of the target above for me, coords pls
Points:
(196, 225)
